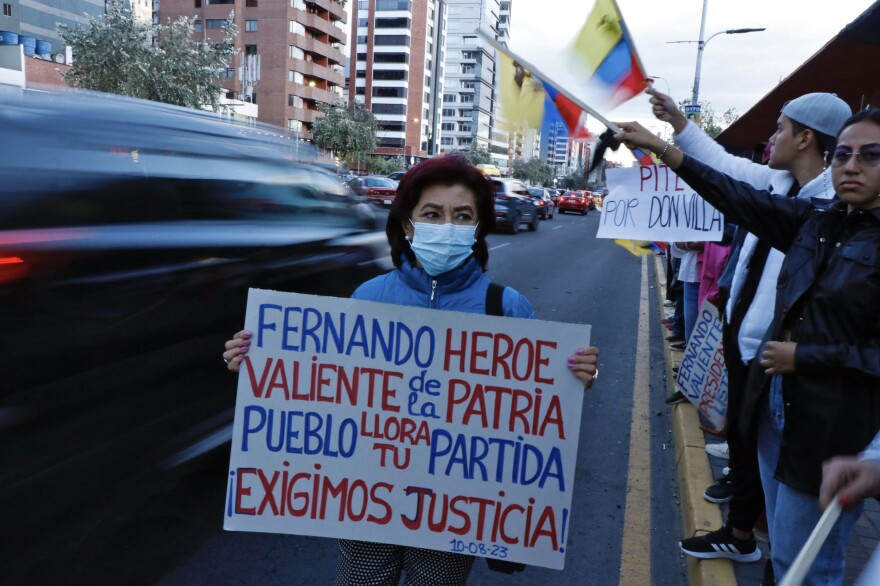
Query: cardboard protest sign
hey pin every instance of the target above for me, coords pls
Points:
(652, 203)
(702, 375)
(379, 422)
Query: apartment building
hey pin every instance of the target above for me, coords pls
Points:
(290, 54)
(554, 146)
(469, 77)
(396, 63)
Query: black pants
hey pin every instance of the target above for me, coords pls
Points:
(747, 501)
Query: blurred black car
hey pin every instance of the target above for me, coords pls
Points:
(513, 206)
(543, 202)
(130, 233)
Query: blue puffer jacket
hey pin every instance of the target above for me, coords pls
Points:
(462, 289)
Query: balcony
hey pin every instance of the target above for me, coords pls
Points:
(313, 93)
(314, 70)
(303, 114)
(319, 47)
(336, 9)
(315, 22)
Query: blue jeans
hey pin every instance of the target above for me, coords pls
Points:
(691, 311)
(791, 514)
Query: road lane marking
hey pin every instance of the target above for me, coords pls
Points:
(499, 246)
(635, 553)
(556, 227)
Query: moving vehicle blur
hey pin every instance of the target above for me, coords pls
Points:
(130, 232)
(541, 198)
(573, 201)
(396, 176)
(513, 206)
(380, 190)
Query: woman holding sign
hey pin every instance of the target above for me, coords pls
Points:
(437, 230)
(817, 392)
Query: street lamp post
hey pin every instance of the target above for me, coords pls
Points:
(702, 45)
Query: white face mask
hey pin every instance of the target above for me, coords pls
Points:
(442, 247)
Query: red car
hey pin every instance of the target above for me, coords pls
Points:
(380, 190)
(574, 201)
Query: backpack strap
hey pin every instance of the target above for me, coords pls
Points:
(494, 295)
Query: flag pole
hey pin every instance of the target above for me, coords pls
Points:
(577, 101)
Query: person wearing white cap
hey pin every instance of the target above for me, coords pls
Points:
(814, 389)
(805, 131)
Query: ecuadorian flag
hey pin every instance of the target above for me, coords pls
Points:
(606, 55)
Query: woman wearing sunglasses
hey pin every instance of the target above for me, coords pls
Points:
(816, 390)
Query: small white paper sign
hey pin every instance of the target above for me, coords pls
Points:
(378, 422)
(652, 203)
(702, 375)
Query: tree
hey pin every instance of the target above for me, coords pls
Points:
(534, 171)
(475, 155)
(345, 129)
(574, 180)
(115, 54)
(711, 123)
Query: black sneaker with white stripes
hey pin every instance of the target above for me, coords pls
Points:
(721, 544)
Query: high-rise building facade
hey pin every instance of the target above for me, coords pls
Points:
(469, 77)
(397, 54)
(38, 20)
(290, 54)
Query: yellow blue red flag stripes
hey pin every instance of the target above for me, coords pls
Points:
(606, 53)
(573, 116)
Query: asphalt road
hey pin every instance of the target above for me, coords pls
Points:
(622, 477)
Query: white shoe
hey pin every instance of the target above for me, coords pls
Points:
(718, 450)
(669, 303)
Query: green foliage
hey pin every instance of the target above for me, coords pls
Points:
(712, 123)
(345, 129)
(535, 171)
(475, 155)
(574, 180)
(115, 54)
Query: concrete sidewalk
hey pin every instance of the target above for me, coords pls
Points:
(697, 471)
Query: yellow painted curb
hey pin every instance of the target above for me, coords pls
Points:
(694, 472)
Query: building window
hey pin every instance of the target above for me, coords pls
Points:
(197, 26)
(364, 22)
(362, 40)
(449, 111)
(389, 92)
(250, 49)
(294, 76)
(393, 23)
(294, 101)
(395, 143)
(389, 109)
(392, 5)
(466, 98)
(297, 28)
(360, 91)
(387, 126)
(386, 40)
(221, 2)
(465, 127)
(446, 140)
(294, 125)
(228, 72)
(392, 75)
(296, 53)
(251, 26)
(428, 97)
(386, 57)
(251, 3)
(467, 68)
(363, 5)
(362, 73)
(448, 98)
(7, 9)
(215, 23)
(465, 141)
(447, 126)
(468, 84)
(198, 3)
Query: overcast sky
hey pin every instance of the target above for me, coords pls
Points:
(737, 70)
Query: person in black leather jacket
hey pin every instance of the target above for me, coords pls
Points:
(817, 391)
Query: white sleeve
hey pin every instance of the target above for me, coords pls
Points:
(696, 143)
